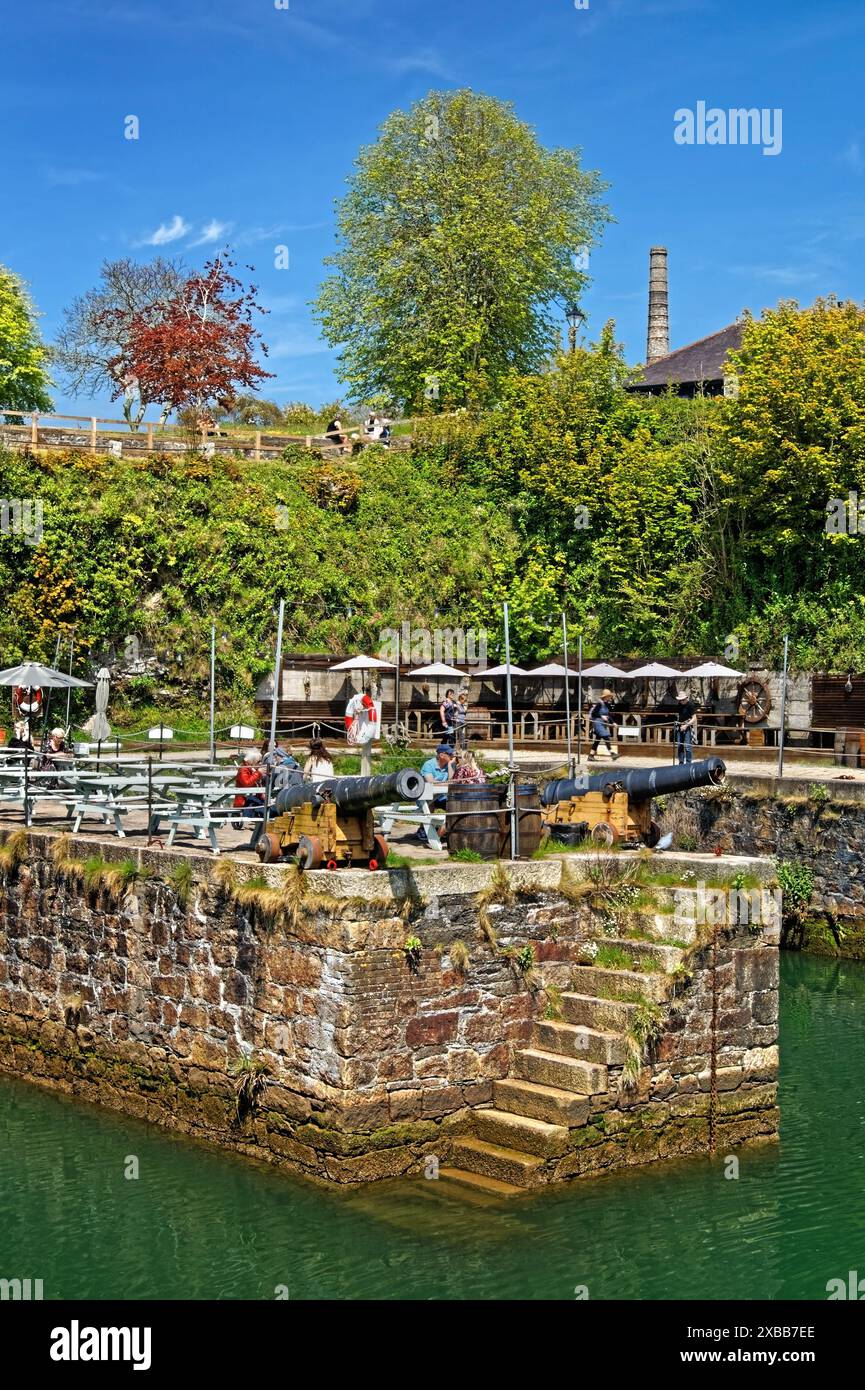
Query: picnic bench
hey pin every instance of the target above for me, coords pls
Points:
(419, 813)
(204, 810)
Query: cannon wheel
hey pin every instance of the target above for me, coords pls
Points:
(309, 852)
(268, 848)
(380, 852)
(604, 834)
(652, 835)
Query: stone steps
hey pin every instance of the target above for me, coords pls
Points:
(667, 957)
(548, 1103)
(578, 1040)
(669, 924)
(553, 1081)
(475, 1187)
(587, 1010)
(564, 1073)
(595, 980)
(494, 1161)
(521, 1132)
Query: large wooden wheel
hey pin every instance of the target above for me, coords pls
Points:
(652, 835)
(309, 852)
(379, 855)
(753, 702)
(604, 835)
(268, 848)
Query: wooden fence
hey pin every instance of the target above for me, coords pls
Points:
(121, 438)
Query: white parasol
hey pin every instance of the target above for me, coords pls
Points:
(100, 729)
(362, 663)
(602, 670)
(711, 670)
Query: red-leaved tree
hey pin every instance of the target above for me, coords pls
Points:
(197, 347)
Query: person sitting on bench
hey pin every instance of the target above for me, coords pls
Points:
(249, 774)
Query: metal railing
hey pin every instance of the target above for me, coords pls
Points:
(51, 431)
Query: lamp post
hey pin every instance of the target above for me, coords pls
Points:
(575, 317)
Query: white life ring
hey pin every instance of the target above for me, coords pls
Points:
(28, 700)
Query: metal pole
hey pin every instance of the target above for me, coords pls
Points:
(783, 710)
(580, 704)
(266, 813)
(567, 690)
(511, 767)
(277, 676)
(396, 685)
(149, 797)
(69, 691)
(213, 693)
(47, 706)
(27, 786)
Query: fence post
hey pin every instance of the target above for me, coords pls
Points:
(34, 427)
(309, 441)
(258, 444)
(150, 439)
(93, 434)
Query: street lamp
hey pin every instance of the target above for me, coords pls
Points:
(575, 317)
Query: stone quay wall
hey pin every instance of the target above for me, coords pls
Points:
(820, 826)
(141, 980)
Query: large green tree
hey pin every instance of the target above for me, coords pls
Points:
(461, 239)
(23, 356)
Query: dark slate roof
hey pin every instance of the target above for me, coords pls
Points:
(700, 361)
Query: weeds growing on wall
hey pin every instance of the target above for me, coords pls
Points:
(252, 1077)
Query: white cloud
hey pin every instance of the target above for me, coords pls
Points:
(785, 275)
(297, 342)
(854, 157)
(167, 232)
(71, 178)
(425, 60)
(210, 232)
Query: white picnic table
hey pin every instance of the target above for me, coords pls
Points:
(419, 813)
(202, 808)
(108, 797)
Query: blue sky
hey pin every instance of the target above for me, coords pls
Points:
(251, 116)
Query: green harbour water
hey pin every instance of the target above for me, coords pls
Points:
(200, 1224)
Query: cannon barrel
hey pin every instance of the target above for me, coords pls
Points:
(354, 795)
(641, 784)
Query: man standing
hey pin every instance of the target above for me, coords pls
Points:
(601, 720)
(447, 715)
(686, 726)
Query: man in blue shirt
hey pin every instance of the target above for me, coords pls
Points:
(438, 769)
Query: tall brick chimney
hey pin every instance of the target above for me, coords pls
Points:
(658, 344)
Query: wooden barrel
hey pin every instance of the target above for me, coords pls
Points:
(482, 833)
(528, 819)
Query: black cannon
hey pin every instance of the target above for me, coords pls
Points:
(331, 823)
(617, 806)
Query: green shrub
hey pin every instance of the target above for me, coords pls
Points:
(797, 884)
